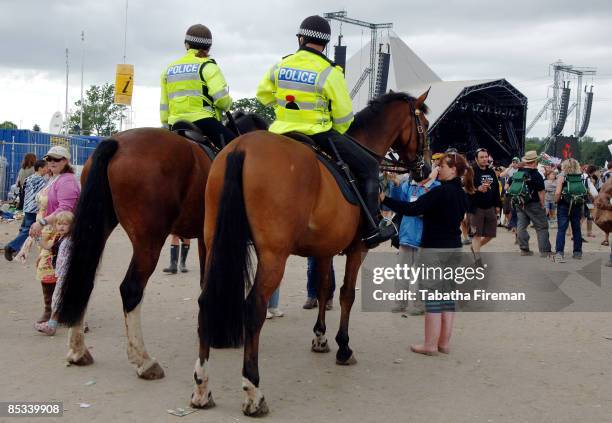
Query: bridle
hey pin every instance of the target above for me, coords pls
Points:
(394, 163)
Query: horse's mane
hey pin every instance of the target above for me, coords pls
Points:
(371, 114)
(256, 121)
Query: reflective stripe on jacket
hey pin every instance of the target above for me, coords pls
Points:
(308, 94)
(193, 88)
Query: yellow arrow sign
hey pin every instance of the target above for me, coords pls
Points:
(124, 83)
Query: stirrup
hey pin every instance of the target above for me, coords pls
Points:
(385, 231)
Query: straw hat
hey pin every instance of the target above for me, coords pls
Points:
(530, 156)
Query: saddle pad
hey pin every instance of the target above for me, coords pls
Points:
(341, 180)
(195, 137)
(334, 169)
(209, 151)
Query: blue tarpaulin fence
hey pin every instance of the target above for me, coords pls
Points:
(16, 143)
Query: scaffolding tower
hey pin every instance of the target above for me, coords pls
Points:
(561, 74)
(341, 17)
(559, 103)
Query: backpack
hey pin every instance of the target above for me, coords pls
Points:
(519, 191)
(574, 192)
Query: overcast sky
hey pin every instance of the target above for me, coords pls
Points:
(458, 39)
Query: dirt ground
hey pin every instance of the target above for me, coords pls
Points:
(503, 367)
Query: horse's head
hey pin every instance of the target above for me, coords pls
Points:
(394, 120)
(412, 135)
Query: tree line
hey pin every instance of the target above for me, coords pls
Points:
(591, 151)
(101, 117)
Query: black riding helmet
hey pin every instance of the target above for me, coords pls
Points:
(315, 29)
(198, 37)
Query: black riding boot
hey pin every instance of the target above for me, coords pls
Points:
(184, 252)
(173, 260)
(365, 167)
(382, 230)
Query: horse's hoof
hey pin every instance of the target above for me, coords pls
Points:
(320, 347)
(351, 360)
(252, 410)
(84, 360)
(198, 403)
(153, 372)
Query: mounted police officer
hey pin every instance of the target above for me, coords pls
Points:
(309, 95)
(194, 89)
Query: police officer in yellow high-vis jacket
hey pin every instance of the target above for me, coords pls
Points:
(309, 95)
(194, 89)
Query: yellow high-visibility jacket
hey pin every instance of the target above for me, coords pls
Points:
(308, 93)
(193, 88)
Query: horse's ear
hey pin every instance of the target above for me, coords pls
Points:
(422, 98)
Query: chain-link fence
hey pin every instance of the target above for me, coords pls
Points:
(13, 151)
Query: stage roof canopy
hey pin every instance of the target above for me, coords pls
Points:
(468, 114)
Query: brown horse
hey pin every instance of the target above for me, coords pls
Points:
(152, 182)
(272, 191)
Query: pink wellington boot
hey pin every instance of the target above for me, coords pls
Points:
(45, 328)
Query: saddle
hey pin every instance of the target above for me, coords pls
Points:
(330, 163)
(192, 133)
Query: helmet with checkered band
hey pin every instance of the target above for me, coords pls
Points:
(315, 29)
(198, 37)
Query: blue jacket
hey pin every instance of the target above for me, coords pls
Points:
(411, 227)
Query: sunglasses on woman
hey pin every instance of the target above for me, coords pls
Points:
(53, 159)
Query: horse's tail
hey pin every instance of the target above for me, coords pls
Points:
(228, 273)
(94, 220)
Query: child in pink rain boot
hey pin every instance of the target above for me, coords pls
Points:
(61, 252)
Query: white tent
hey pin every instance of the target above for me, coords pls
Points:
(491, 102)
(405, 70)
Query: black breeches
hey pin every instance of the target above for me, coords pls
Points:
(215, 130)
(361, 163)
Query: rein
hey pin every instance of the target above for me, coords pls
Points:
(394, 164)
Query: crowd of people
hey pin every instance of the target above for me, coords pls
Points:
(531, 190)
(458, 203)
(433, 213)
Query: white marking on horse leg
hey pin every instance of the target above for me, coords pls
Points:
(253, 397)
(76, 343)
(321, 340)
(320, 344)
(137, 354)
(201, 397)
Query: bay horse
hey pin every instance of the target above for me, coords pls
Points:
(151, 181)
(271, 191)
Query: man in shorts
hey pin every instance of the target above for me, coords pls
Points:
(485, 203)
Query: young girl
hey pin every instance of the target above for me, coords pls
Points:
(550, 186)
(60, 251)
(442, 209)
